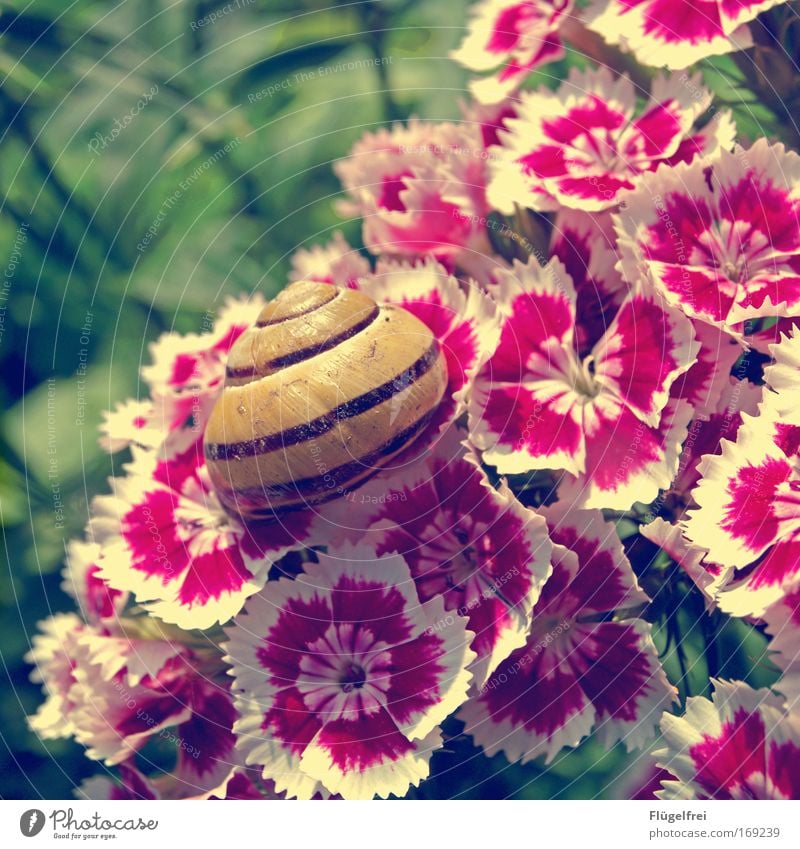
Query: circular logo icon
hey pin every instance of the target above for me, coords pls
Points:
(31, 822)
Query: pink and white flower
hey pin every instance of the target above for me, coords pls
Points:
(783, 378)
(96, 600)
(336, 263)
(719, 237)
(131, 422)
(661, 33)
(518, 35)
(477, 547)
(343, 677)
(187, 372)
(749, 512)
(581, 670)
(113, 691)
(166, 539)
(783, 626)
(605, 418)
(749, 506)
(53, 655)
(739, 745)
(584, 144)
(131, 691)
(421, 189)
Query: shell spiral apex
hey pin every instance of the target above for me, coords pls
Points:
(319, 395)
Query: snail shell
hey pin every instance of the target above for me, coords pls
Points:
(321, 393)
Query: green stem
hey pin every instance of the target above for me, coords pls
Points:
(592, 46)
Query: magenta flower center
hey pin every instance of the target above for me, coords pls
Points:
(353, 678)
(345, 673)
(738, 257)
(557, 361)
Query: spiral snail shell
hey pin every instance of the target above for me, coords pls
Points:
(321, 393)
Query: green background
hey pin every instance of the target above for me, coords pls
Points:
(85, 288)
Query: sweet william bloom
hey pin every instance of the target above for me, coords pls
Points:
(719, 236)
(749, 512)
(336, 263)
(420, 189)
(166, 539)
(783, 625)
(741, 744)
(129, 691)
(187, 372)
(749, 494)
(517, 36)
(54, 654)
(343, 677)
(131, 422)
(113, 692)
(663, 33)
(477, 547)
(81, 579)
(605, 418)
(581, 670)
(584, 144)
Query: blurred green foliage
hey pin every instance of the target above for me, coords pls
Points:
(107, 109)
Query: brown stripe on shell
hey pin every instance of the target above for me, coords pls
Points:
(303, 353)
(316, 490)
(348, 440)
(321, 302)
(322, 424)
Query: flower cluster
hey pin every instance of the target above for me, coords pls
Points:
(599, 266)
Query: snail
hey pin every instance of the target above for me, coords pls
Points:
(319, 395)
